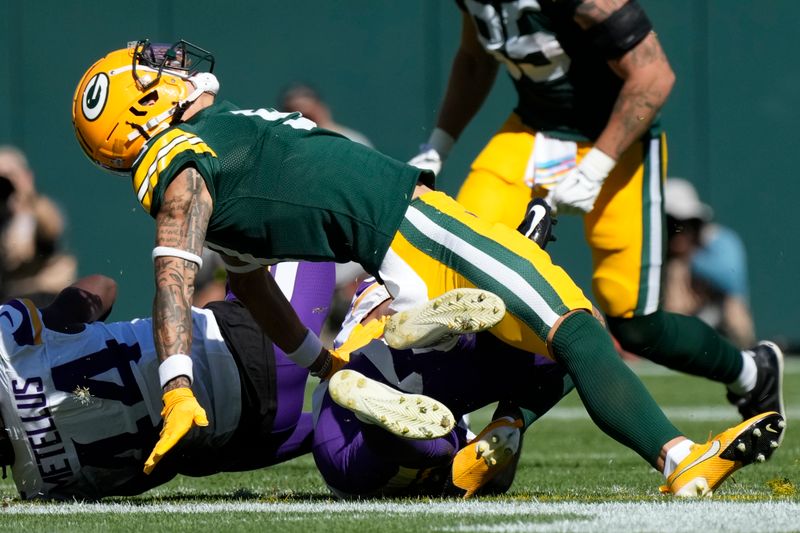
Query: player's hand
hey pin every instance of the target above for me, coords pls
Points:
(576, 193)
(181, 412)
(428, 159)
(339, 358)
(538, 223)
(328, 363)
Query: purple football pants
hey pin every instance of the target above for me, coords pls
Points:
(359, 459)
(309, 287)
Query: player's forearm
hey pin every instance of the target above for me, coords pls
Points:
(470, 82)
(269, 307)
(278, 320)
(471, 79)
(180, 232)
(87, 300)
(648, 82)
(172, 316)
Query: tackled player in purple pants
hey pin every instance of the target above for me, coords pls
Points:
(358, 457)
(79, 399)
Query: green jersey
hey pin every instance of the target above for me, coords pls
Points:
(565, 86)
(283, 189)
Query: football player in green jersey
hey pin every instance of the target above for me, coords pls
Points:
(591, 77)
(261, 187)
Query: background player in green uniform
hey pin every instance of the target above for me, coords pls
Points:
(591, 78)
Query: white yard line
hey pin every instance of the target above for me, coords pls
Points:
(722, 413)
(669, 515)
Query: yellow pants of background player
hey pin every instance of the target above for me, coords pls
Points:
(624, 230)
(440, 246)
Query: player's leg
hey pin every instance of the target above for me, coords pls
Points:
(464, 310)
(407, 415)
(294, 442)
(355, 462)
(309, 287)
(626, 234)
(497, 188)
(443, 247)
(440, 246)
(623, 408)
(273, 428)
(459, 378)
(360, 459)
(487, 465)
(480, 370)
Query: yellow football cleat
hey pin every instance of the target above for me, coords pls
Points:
(455, 312)
(709, 464)
(485, 456)
(412, 416)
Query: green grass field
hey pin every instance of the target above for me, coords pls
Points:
(571, 478)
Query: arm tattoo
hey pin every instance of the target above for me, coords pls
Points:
(591, 12)
(647, 52)
(641, 97)
(636, 109)
(181, 223)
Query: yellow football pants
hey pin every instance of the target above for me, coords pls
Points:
(440, 246)
(624, 230)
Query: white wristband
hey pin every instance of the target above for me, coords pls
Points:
(169, 251)
(442, 142)
(308, 351)
(596, 165)
(173, 366)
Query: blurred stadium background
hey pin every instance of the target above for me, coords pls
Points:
(382, 67)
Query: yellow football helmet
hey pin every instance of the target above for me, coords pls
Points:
(132, 94)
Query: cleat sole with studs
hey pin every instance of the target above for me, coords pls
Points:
(477, 463)
(456, 312)
(412, 416)
(758, 442)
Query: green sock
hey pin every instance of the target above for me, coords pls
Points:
(615, 398)
(547, 391)
(679, 342)
(528, 418)
(514, 411)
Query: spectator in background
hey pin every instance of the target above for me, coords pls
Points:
(706, 266)
(302, 97)
(299, 96)
(31, 227)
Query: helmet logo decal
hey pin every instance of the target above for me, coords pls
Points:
(95, 96)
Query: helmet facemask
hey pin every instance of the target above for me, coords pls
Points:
(182, 59)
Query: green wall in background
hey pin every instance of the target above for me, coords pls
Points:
(383, 66)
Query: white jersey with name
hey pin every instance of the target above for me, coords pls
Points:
(83, 408)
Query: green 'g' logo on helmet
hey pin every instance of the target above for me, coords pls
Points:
(95, 96)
